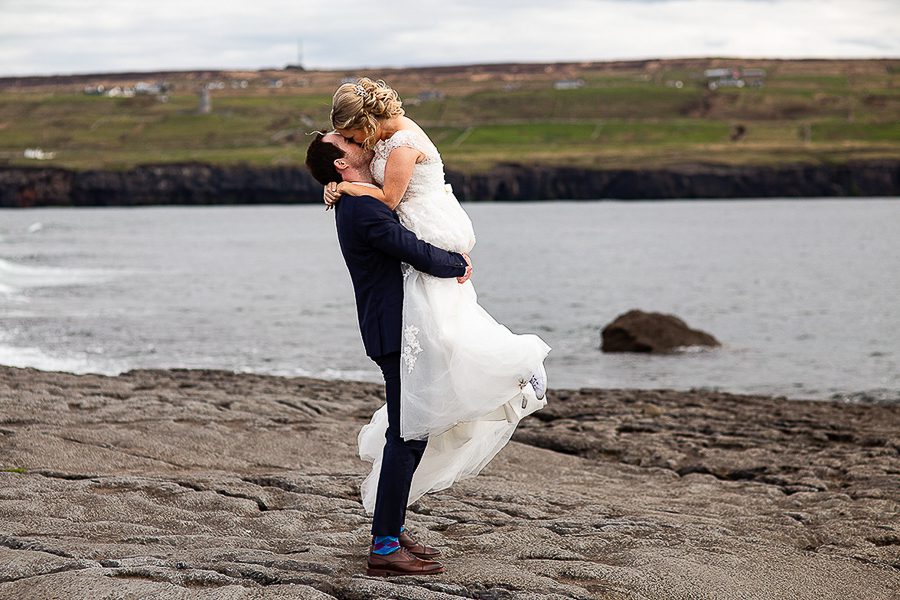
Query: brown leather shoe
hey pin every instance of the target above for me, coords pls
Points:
(417, 548)
(400, 562)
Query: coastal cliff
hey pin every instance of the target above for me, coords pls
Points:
(200, 184)
(211, 484)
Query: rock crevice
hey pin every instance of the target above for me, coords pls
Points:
(653, 494)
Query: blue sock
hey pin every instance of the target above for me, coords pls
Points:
(385, 544)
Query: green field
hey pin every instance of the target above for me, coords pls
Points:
(807, 111)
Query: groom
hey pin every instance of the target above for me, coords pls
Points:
(374, 243)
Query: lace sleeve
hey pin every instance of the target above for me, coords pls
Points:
(410, 139)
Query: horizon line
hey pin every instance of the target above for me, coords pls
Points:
(586, 62)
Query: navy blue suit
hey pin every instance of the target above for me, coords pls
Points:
(374, 243)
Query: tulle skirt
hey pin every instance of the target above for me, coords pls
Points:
(464, 381)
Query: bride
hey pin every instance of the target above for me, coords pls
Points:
(465, 380)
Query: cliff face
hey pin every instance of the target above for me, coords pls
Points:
(517, 182)
(196, 183)
(183, 183)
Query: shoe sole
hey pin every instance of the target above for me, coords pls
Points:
(543, 372)
(390, 573)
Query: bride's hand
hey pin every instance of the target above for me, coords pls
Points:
(331, 195)
(468, 274)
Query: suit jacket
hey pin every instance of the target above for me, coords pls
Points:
(374, 243)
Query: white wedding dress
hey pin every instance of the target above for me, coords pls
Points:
(464, 378)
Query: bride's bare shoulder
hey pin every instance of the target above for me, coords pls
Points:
(412, 126)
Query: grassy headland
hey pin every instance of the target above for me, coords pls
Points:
(625, 114)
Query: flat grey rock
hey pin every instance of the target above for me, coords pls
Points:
(190, 484)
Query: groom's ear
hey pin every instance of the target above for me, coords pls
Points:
(340, 164)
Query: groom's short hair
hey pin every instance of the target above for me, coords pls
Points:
(320, 157)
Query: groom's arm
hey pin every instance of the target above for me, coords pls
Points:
(379, 227)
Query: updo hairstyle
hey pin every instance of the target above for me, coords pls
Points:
(362, 104)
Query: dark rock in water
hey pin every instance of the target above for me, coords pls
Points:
(639, 331)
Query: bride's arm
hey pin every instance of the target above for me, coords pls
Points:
(397, 173)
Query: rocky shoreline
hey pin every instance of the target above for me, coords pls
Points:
(201, 184)
(210, 484)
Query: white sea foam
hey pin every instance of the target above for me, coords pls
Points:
(17, 314)
(23, 356)
(371, 375)
(15, 277)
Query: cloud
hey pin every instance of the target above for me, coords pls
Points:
(56, 36)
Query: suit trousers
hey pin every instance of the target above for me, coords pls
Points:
(400, 458)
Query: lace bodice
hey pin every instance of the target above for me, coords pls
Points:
(428, 208)
(427, 175)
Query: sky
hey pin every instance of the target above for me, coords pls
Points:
(44, 37)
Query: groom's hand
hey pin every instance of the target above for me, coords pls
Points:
(468, 274)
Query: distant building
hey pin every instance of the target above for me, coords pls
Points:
(753, 77)
(736, 78)
(38, 154)
(429, 95)
(142, 88)
(116, 92)
(718, 73)
(568, 84)
(723, 83)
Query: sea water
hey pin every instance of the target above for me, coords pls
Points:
(803, 294)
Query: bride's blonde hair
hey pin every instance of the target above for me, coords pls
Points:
(362, 104)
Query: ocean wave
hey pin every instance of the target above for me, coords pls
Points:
(26, 356)
(873, 396)
(370, 375)
(15, 277)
